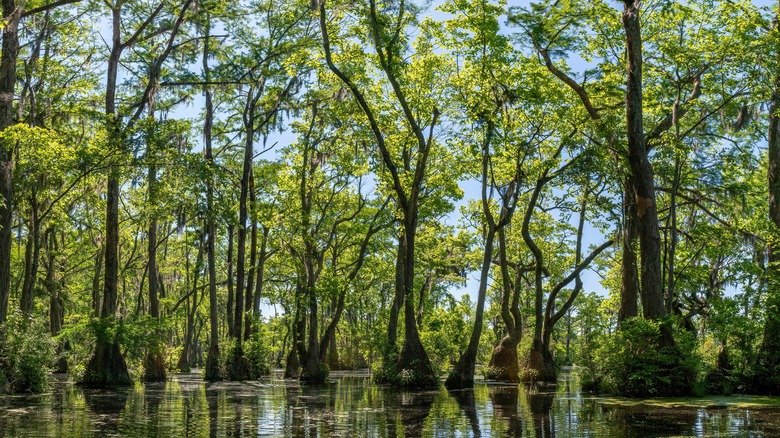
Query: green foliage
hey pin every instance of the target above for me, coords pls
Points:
(413, 378)
(257, 351)
(133, 334)
(446, 332)
(26, 354)
(384, 370)
(636, 363)
(319, 376)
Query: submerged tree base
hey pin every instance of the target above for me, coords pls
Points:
(415, 369)
(154, 367)
(460, 378)
(639, 361)
(292, 369)
(540, 367)
(766, 371)
(238, 365)
(503, 365)
(315, 374)
(212, 364)
(107, 367)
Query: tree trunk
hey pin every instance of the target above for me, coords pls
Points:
(334, 363)
(398, 297)
(263, 257)
(413, 356)
(311, 366)
(767, 367)
(11, 13)
(231, 283)
(154, 363)
(540, 365)
(462, 376)
(249, 295)
(503, 365)
(184, 360)
(31, 260)
(671, 253)
(238, 368)
(56, 304)
(107, 366)
(97, 302)
(644, 186)
(297, 350)
(629, 284)
(212, 359)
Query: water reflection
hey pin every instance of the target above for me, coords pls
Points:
(350, 406)
(468, 405)
(106, 408)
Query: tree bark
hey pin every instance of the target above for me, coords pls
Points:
(56, 303)
(248, 294)
(184, 359)
(767, 366)
(238, 368)
(629, 282)
(398, 297)
(462, 376)
(96, 295)
(212, 359)
(107, 366)
(31, 259)
(503, 364)
(644, 186)
(10, 52)
(231, 284)
(154, 363)
(412, 356)
(262, 258)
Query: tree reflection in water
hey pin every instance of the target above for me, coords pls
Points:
(349, 405)
(468, 405)
(106, 405)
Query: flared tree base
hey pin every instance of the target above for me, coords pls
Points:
(766, 370)
(183, 365)
(462, 376)
(540, 367)
(458, 379)
(292, 369)
(154, 367)
(414, 368)
(315, 373)
(238, 365)
(212, 364)
(107, 367)
(503, 365)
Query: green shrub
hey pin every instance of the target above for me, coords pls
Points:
(634, 362)
(26, 354)
(384, 370)
(318, 376)
(257, 352)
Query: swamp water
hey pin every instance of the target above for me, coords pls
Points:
(351, 406)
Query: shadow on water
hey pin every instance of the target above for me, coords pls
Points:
(468, 405)
(349, 405)
(540, 403)
(106, 407)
